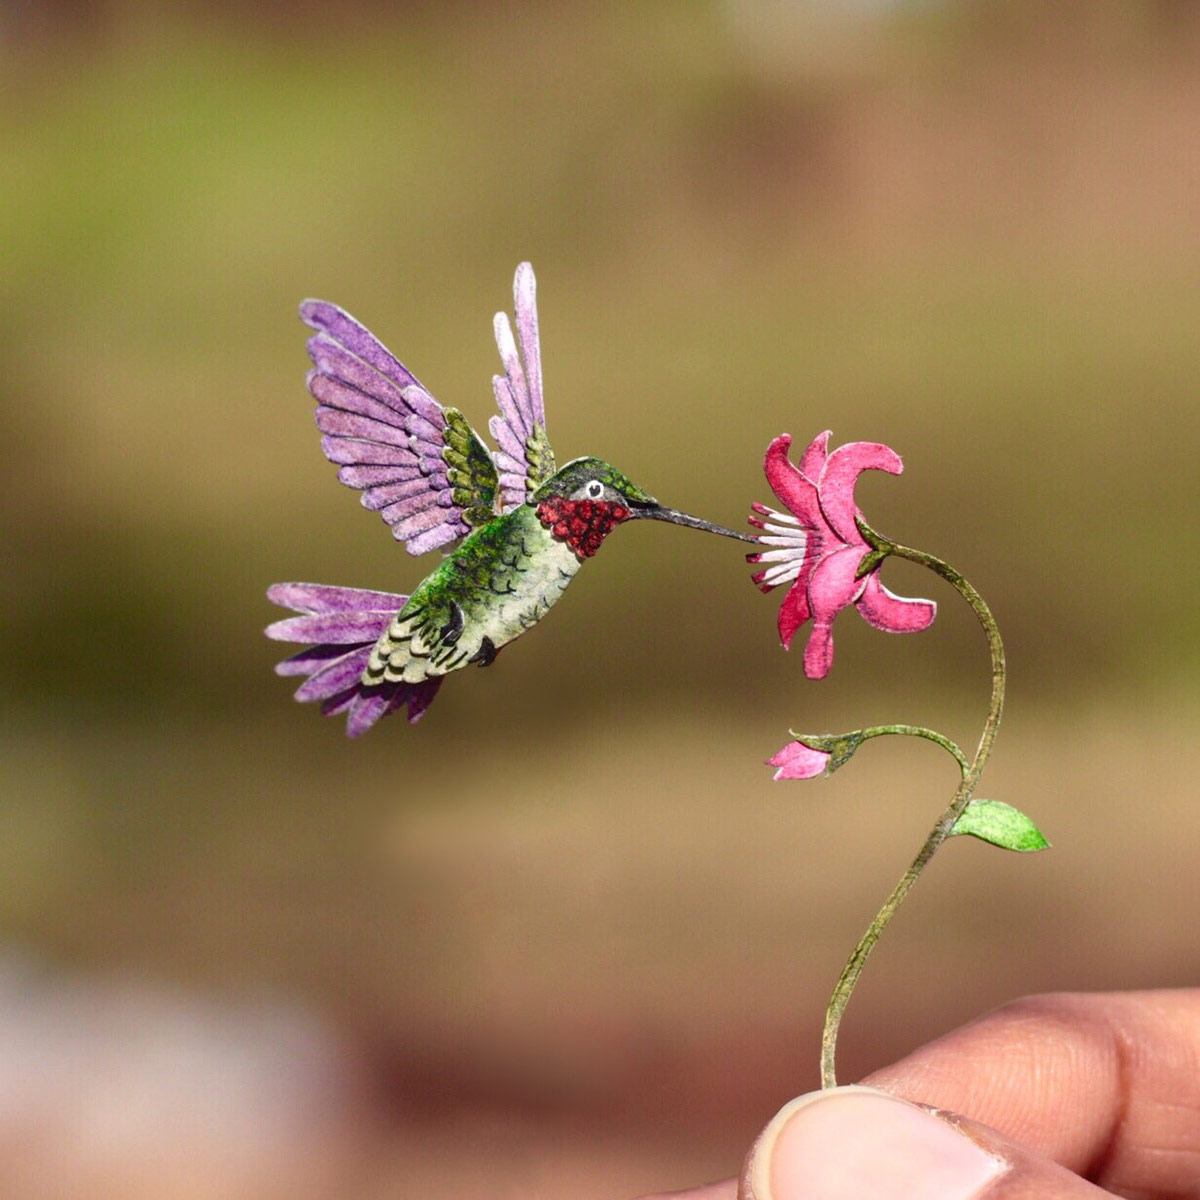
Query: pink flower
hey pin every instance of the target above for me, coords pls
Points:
(814, 754)
(798, 761)
(818, 547)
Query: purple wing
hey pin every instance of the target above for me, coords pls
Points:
(343, 623)
(523, 458)
(382, 428)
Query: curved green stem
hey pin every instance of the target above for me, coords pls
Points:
(930, 735)
(962, 796)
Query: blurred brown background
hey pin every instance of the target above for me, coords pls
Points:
(576, 947)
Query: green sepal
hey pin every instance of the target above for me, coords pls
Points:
(1002, 825)
(880, 548)
(870, 562)
(873, 538)
(539, 458)
(839, 746)
(469, 470)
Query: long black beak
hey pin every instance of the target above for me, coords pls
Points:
(658, 512)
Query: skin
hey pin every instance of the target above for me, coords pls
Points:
(1076, 1095)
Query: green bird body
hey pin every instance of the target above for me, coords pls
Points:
(523, 526)
(500, 582)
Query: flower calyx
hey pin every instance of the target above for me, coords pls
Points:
(815, 755)
(881, 548)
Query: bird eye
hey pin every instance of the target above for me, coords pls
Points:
(595, 490)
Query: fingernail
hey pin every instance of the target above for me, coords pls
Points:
(853, 1143)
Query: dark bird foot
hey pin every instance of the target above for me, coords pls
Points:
(486, 654)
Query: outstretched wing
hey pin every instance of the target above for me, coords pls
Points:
(523, 454)
(419, 465)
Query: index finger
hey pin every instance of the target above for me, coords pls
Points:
(1107, 1085)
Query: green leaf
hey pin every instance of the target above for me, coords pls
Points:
(1001, 824)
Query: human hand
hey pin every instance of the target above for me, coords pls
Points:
(1059, 1097)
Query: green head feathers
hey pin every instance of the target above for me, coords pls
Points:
(580, 472)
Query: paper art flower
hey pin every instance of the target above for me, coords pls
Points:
(817, 547)
(798, 761)
(812, 755)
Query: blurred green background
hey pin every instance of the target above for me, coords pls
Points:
(565, 937)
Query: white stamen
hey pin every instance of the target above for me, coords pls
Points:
(786, 530)
(786, 518)
(781, 573)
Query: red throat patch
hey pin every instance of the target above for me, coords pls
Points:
(582, 524)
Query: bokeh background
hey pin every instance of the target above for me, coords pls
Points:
(566, 938)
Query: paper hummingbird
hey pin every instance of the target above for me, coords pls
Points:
(524, 526)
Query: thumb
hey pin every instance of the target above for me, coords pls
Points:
(858, 1143)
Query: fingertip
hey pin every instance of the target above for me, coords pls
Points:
(725, 1190)
(853, 1142)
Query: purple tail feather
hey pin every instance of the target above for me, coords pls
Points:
(343, 623)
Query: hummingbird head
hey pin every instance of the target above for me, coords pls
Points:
(586, 500)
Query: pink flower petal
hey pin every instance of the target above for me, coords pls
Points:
(798, 761)
(813, 462)
(793, 612)
(893, 614)
(832, 588)
(797, 492)
(836, 485)
(818, 651)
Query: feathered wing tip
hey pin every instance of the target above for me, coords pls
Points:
(518, 391)
(343, 624)
(382, 428)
